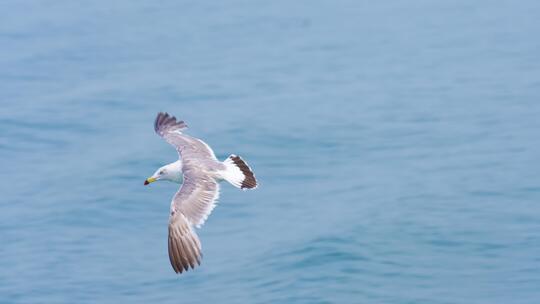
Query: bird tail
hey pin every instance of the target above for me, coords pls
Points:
(238, 173)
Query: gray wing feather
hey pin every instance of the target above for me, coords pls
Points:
(191, 149)
(184, 246)
(196, 198)
(191, 205)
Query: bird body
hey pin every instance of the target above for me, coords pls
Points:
(200, 173)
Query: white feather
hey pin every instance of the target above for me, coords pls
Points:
(232, 173)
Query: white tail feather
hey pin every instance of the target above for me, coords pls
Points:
(238, 173)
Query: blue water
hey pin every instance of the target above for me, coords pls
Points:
(396, 144)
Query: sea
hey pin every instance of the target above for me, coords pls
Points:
(396, 145)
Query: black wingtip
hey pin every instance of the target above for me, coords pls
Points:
(165, 122)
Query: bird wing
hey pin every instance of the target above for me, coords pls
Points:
(191, 205)
(189, 148)
(197, 196)
(184, 245)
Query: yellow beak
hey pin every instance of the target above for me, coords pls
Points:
(149, 180)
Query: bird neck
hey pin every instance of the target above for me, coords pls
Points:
(175, 172)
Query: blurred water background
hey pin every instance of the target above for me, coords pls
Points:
(396, 144)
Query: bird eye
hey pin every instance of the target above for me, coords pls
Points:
(161, 172)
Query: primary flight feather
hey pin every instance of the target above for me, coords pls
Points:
(200, 172)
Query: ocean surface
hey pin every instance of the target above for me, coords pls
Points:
(397, 146)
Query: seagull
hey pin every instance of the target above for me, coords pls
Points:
(199, 172)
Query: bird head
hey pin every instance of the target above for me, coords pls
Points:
(160, 174)
(171, 172)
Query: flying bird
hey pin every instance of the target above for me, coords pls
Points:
(199, 172)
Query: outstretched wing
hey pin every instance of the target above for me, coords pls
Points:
(184, 245)
(189, 148)
(197, 196)
(191, 205)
